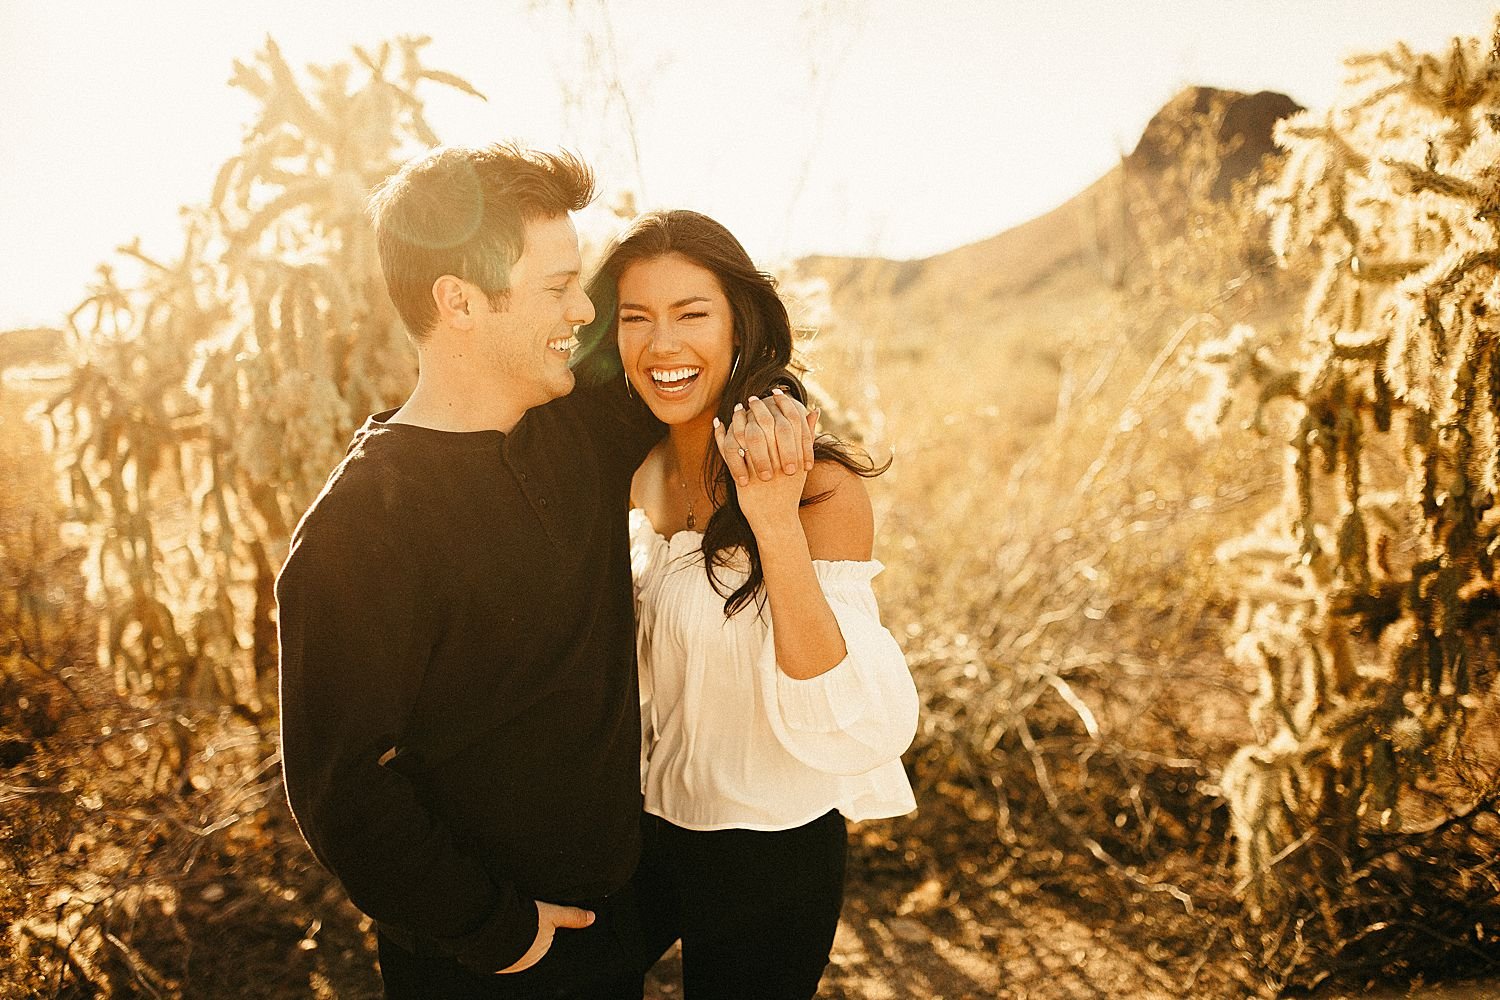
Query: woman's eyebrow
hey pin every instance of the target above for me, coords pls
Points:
(675, 305)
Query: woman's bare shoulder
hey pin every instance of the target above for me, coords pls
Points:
(841, 523)
(646, 484)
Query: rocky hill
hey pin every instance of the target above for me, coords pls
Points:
(23, 348)
(1002, 311)
(1076, 245)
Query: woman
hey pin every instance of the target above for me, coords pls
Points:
(774, 704)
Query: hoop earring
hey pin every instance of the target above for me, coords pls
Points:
(734, 367)
(628, 393)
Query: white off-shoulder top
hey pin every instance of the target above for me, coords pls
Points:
(728, 740)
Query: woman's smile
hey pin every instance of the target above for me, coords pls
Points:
(674, 382)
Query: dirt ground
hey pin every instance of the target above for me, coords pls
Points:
(254, 918)
(903, 936)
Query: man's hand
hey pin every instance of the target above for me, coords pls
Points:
(549, 917)
(765, 437)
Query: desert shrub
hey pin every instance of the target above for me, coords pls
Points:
(1054, 581)
(43, 672)
(212, 397)
(209, 397)
(1364, 808)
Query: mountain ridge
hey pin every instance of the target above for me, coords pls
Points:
(1013, 334)
(1242, 135)
(1087, 226)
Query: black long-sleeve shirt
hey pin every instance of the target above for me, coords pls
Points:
(459, 711)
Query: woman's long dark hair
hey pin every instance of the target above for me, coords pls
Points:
(763, 340)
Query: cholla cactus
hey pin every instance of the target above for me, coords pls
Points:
(1370, 600)
(211, 399)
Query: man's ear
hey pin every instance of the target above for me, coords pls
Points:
(451, 296)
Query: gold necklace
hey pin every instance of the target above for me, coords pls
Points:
(692, 518)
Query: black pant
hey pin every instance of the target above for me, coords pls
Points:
(597, 962)
(756, 910)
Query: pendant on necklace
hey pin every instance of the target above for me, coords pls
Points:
(687, 498)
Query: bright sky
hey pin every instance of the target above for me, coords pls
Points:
(891, 127)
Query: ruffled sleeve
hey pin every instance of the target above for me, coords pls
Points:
(863, 712)
(646, 547)
(647, 550)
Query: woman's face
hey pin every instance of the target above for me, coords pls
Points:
(676, 337)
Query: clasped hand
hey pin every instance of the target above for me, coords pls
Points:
(768, 449)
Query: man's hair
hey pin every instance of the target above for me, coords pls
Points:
(463, 212)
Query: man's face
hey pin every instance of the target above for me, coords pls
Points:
(528, 341)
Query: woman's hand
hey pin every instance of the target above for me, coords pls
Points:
(765, 436)
(782, 427)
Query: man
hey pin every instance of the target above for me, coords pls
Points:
(460, 725)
